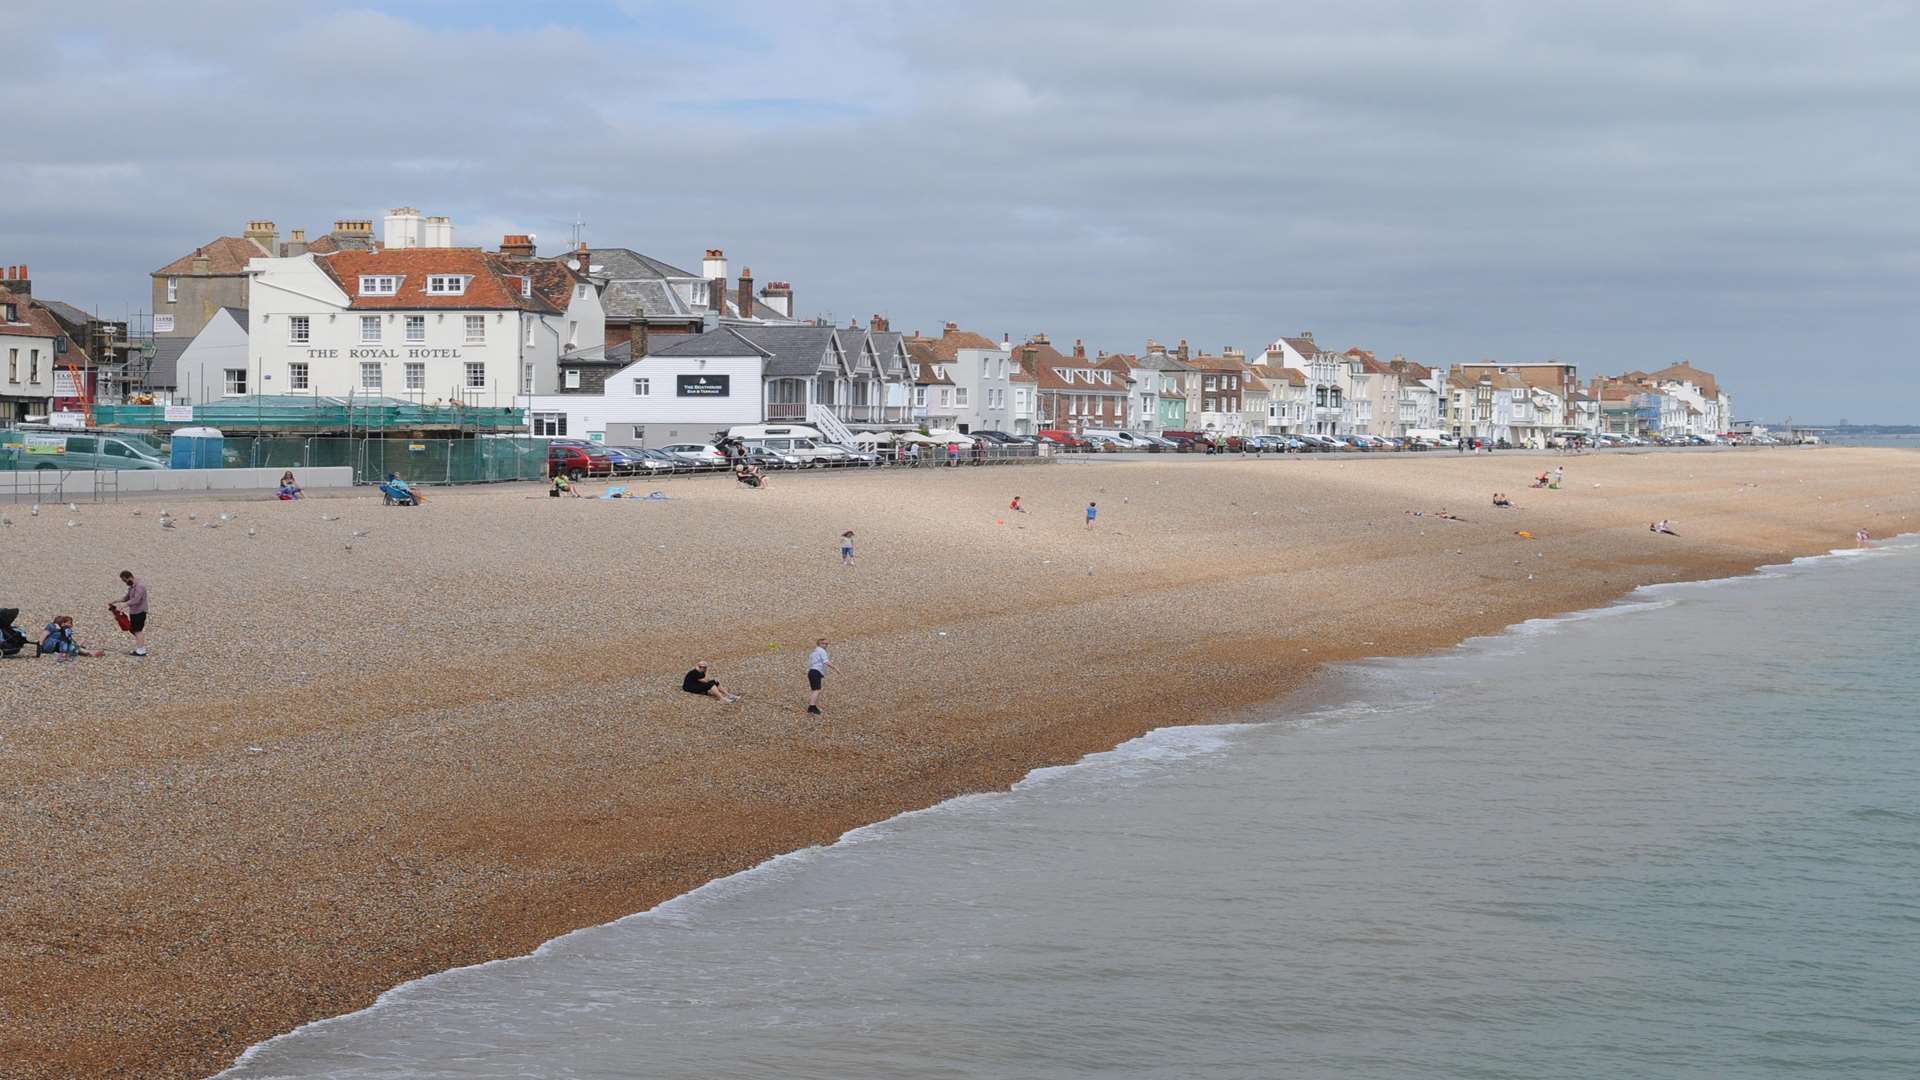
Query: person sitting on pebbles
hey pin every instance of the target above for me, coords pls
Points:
(696, 682)
(60, 640)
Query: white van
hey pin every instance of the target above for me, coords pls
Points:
(754, 432)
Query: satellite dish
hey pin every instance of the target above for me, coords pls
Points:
(573, 264)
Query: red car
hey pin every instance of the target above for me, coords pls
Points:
(577, 460)
(1065, 440)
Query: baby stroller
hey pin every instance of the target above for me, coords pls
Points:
(11, 639)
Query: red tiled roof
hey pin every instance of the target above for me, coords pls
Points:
(33, 320)
(1685, 372)
(225, 255)
(950, 342)
(1040, 360)
(493, 280)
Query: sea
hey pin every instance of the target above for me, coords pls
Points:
(1674, 837)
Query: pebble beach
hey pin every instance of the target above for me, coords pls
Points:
(373, 743)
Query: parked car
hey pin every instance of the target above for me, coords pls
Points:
(697, 454)
(578, 460)
(1063, 440)
(633, 461)
(772, 459)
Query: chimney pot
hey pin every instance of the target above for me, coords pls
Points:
(746, 292)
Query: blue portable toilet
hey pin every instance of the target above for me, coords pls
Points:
(198, 448)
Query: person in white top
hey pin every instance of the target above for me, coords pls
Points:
(817, 667)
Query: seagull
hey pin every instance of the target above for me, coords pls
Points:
(6, 521)
(329, 517)
(136, 513)
(71, 524)
(35, 512)
(250, 530)
(228, 517)
(191, 516)
(73, 508)
(358, 533)
(166, 523)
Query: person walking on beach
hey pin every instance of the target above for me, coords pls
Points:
(1864, 539)
(846, 548)
(1559, 474)
(696, 682)
(1093, 511)
(818, 664)
(135, 602)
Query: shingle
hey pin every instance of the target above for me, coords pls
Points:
(225, 255)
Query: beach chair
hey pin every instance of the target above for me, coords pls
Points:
(394, 495)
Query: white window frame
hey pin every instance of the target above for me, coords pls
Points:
(547, 424)
(236, 387)
(526, 378)
(475, 369)
(570, 379)
(299, 376)
(580, 291)
(447, 284)
(415, 376)
(373, 368)
(379, 284)
(173, 290)
(476, 329)
(920, 396)
(642, 386)
(369, 329)
(526, 288)
(960, 396)
(416, 322)
(299, 330)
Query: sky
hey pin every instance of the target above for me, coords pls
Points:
(1621, 185)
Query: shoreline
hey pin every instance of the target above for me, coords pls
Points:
(1308, 699)
(875, 782)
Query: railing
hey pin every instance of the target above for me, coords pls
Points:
(786, 410)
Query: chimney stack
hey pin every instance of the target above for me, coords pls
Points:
(202, 264)
(266, 234)
(779, 297)
(1041, 339)
(19, 281)
(1181, 350)
(638, 339)
(745, 302)
(880, 325)
(715, 264)
(1079, 349)
(295, 245)
(519, 245)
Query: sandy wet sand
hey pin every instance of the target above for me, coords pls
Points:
(344, 768)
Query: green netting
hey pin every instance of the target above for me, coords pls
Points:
(293, 412)
(473, 460)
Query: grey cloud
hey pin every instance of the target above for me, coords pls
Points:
(1622, 185)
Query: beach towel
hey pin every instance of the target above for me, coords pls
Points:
(614, 493)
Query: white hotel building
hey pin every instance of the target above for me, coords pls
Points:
(436, 325)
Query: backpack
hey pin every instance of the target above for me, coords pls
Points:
(11, 639)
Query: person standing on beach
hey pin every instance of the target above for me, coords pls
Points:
(1864, 539)
(136, 608)
(818, 664)
(1093, 511)
(846, 548)
(1559, 474)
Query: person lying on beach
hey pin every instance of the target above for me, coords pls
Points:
(697, 682)
(60, 640)
(1662, 526)
(1502, 501)
(1449, 517)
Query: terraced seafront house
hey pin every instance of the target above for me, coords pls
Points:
(690, 385)
(1072, 391)
(1216, 390)
(982, 374)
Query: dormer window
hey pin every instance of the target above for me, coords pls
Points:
(526, 288)
(379, 284)
(446, 285)
(13, 313)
